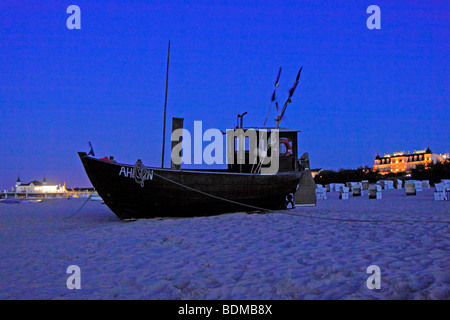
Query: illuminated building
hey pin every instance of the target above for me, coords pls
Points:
(38, 187)
(404, 162)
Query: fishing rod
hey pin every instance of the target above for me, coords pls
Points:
(277, 83)
(291, 93)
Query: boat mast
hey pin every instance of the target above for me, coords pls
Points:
(165, 107)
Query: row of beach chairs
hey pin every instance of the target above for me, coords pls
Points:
(385, 184)
(442, 190)
(357, 191)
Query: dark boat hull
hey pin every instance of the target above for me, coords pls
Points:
(186, 193)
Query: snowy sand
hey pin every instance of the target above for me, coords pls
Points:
(232, 256)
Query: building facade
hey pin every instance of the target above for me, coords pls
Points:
(404, 162)
(38, 187)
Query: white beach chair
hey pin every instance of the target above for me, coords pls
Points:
(439, 192)
(321, 192)
(446, 183)
(343, 193)
(375, 192)
(399, 184)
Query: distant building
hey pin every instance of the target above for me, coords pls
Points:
(38, 187)
(404, 162)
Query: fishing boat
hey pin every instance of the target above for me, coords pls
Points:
(136, 191)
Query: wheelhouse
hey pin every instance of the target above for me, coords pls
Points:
(255, 149)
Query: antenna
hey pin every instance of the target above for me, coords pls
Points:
(241, 117)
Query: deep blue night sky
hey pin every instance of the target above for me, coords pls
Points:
(361, 92)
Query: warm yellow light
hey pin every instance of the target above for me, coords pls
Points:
(49, 188)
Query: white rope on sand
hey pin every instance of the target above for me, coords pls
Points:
(365, 220)
(301, 215)
(210, 195)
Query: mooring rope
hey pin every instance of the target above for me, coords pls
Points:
(365, 220)
(299, 214)
(210, 195)
(139, 172)
(79, 209)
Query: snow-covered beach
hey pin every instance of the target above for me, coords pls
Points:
(317, 252)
